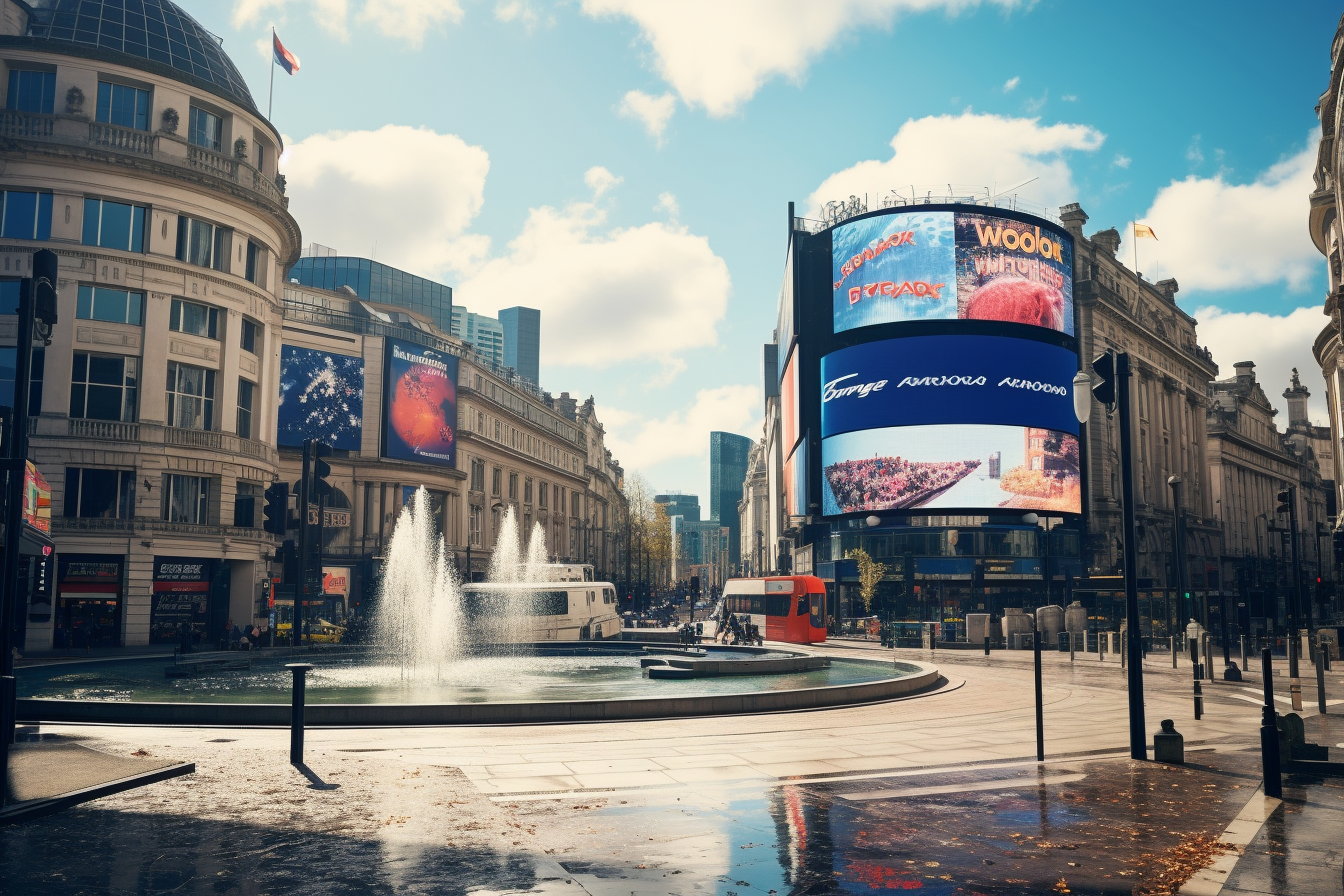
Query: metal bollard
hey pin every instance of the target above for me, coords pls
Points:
(300, 671)
(1269, 732)
(1244, 667)
(1040, 701)
(1071, 646)
(1174, 654)
(1199, 691)
(986, 645)
(1208, 656)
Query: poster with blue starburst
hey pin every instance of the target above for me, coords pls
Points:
(321, 397)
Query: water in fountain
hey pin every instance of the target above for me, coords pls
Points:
(418, 626)
(534, 567)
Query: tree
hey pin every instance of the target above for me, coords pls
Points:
(870, 573)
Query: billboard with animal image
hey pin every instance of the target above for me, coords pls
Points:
(951, 265)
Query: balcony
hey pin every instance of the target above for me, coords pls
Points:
(147, 526)
(56, 131)
(152, 434)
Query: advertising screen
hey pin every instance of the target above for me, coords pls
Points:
(420, 404)
(920, 380)
(788, 406)
(795, 482)
(945, 265)
(951, 466)
(321, 397)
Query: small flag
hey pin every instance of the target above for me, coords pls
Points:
(283, 58)
(1141, 231)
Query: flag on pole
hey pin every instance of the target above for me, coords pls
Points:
(1141, 231)
(283, 58)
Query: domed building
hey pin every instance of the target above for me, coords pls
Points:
(130, 146)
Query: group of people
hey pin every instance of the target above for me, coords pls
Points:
(888, 483)
(241, 638)
(737, 629)
(79, 636)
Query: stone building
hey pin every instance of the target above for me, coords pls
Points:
(1326, 233)
(754, 513)
(1118, 309)
(145, 164)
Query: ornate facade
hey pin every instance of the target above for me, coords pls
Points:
(1324, 225)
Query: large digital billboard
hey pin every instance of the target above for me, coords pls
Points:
(788, 406)
(921, 380)
(950, 265)
(420, 404)
(321, 397)
(951, 466)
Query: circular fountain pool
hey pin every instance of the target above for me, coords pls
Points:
(353, 688)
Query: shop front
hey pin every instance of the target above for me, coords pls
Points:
(90, 594)
(181, 601)
(335, 593)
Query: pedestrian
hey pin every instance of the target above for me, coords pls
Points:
(58, 639)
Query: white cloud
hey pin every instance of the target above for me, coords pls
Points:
(982, 150)
(517, 11)
(645, 293)
(1069, 98)
(717, 55)
(1215, 235)
(1276, 343)
(405, 19)
(667, 203)
(1036, 104)
(653, 111)
(600, 180)
(1011, 84)
(1121, 161)
(642, 442)
(413, 191)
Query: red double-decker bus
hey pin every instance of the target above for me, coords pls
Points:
(784, 608)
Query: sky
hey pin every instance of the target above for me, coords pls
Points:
(626, 165)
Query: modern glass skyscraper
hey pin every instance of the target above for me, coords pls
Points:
(727, 469)
(522, 341)
(377, 283)
(677, 504)
(483, 333)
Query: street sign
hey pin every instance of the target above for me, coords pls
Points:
(332, 519)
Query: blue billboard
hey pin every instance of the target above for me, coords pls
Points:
(420, 404)
(922, 380)
(951, 265)
(321, 397)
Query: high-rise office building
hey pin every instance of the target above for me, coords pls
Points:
(485, 334)
(322, 268)
(728, 455)
(677, 504)
(522, 341)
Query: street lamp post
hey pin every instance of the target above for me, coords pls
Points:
(1032, 519)
(1178, 546)
(1112, 369)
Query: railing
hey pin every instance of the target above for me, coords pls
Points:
(111, 136)
(212, 162)
(149, 433)
(26, 124)
(153, 525)
(103, 429)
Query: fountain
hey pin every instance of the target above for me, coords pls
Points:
(486, 653)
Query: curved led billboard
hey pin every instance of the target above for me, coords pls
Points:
(321, 397)
(420, 404)
(951, 265)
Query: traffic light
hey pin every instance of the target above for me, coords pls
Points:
(321, 470)
(1339, 547)
(1285, 499)
(45, 277)
(695, 584)
(277, 508)
(1104, 385)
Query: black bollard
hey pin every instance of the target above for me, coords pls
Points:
(300, 671)
(1269, 732)
(1040, 701)
(986, 645)
(1199, 691)
(1322, 657)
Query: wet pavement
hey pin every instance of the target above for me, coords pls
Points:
(936, 794)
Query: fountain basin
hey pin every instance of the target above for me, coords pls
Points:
(596, 684)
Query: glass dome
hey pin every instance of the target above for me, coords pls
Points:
(152, 30)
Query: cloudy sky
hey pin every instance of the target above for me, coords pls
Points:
(625, 165)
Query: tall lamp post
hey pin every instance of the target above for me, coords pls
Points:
(1032, 519)
(1112, 388)
(1178, 547)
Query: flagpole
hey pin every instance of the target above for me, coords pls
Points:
(270, 98)
(1133, 234)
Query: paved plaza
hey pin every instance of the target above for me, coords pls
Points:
(938, 793)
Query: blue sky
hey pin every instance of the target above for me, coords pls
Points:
(625, 165)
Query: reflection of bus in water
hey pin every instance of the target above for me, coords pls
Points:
(784, 608)
(565, 604)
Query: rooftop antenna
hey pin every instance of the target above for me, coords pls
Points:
(1018, 187)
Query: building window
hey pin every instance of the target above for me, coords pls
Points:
(204, 129)
(99, 494)
(256, 264)
(26, 216)
(560, 502)
(103, 387)
(496, 481)
(116, 306)
(542, 488)
(527, 491)
(513, 486)
(475, 526)
(478, 475)
(186, 499)
(31, 91)
(202, 243)
(114, 225)
(191, 396)
(125, 107)
(245, 505)
(245, 390)
(194, 319)
(248, 341)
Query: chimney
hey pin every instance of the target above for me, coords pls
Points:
(1073, 218)
(566, 406)
(1245, 372)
